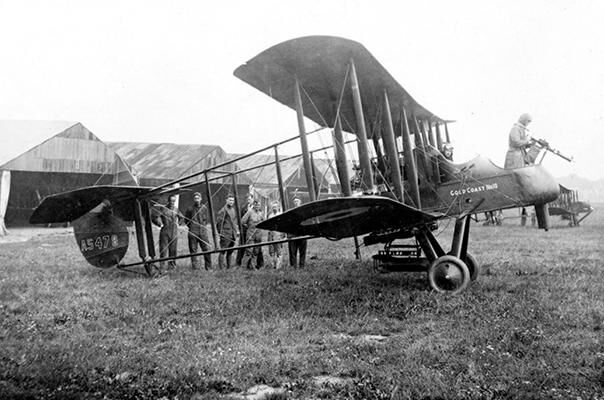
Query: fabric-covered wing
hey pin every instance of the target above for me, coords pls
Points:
(345, 217)
(68, 206)
(320, 64)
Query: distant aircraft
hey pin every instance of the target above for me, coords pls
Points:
(406, 183)
(569, 207)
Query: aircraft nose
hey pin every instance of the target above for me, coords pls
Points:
(538, 185)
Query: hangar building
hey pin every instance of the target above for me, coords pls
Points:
(40, 158)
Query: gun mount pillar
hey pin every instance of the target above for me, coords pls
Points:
(361, 129)
(304, 142)
(392, 151)
(340, 155)
(410, 162)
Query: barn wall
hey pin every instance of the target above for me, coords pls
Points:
(61, 154)
(4, 192)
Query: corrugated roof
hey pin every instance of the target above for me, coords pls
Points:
(328, 170)
(167, 160)
(268, 174)
(292, 170)
(20, 136)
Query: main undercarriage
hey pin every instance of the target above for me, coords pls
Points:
(448, 272)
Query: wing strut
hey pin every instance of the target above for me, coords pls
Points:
(361, 129)
(420, 137)
(340, 155)
(236, 195)
(138, 224)
(410, 162)
(211, 212)
(279, 182)
(430, 133)
(439, 138)
(303, 142)
(392, 152)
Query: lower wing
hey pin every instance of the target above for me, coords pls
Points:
(349, 216)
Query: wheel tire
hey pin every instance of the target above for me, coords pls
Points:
(448, 274)
(472, 265)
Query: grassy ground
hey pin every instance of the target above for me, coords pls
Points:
(530, 327)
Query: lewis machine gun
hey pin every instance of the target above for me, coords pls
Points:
(537, 145)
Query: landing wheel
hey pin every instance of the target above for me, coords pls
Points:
(448, 274)
(472, 265)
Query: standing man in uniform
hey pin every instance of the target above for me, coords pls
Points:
(168, 217)
(244, 209)
(297, 246)
(275, 251)
(196, 218)
(254, 235)
(517, 156)
(519, 141)
(243, 239)
(228, 231)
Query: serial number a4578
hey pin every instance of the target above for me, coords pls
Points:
(99, 243)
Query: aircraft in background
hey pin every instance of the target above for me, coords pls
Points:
(405, 183)
(569, 207)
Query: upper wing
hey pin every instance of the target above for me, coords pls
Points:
(345, 217)
(68, 206)
(320, 63)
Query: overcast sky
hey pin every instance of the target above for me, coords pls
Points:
(161, 71)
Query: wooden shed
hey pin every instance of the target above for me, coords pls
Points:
(48, 157)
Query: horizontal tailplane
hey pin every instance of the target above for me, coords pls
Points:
(69, 206)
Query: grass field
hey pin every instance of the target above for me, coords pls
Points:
(532, 326)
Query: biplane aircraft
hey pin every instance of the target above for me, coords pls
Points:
(569, 207)
(406, 183)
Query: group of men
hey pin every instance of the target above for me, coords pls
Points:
(168, 217)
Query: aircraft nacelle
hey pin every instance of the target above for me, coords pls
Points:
(480, 186)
